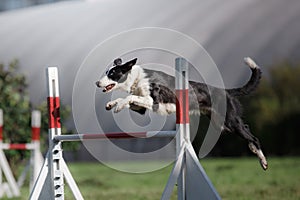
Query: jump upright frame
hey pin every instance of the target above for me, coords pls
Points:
(8, 184)
(191, 179)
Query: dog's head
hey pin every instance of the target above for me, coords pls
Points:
(115, 75)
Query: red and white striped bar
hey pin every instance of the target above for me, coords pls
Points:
(18, 146)
(35, 135)
(1, 125)
(120, 135)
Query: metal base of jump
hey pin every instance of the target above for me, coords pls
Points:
(197, 184)
(43, 188)
(187, 173)
(10, 188)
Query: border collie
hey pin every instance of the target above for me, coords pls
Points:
(154, 91)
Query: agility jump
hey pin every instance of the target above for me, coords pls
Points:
(12, 187)
(192, 181)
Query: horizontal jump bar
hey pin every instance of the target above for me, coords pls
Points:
(17, 146)
(121, 135)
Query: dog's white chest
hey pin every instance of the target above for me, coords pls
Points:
(138, 83)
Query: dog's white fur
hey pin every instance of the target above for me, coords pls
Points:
(137, 85)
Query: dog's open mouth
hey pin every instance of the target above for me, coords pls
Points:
(109, 87)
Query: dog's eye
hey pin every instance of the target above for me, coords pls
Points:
(110, 72)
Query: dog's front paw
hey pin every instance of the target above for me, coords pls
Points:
(121, 105)
(250, 62)
(109, 106)
(112, 104)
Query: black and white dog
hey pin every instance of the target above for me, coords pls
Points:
(154, 91)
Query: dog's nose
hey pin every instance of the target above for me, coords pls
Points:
(98, 83)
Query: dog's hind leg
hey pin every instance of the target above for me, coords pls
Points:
(254, 144)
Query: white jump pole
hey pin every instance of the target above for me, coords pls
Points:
(182, 116)
(183, 131)
(2, 189)
(50, 182)
(55, 155)
(36, 159)
(57, 166)
(192, 181)
(1, 124)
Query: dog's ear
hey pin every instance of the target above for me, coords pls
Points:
(118, 62)
(128, 66)
(132, 62)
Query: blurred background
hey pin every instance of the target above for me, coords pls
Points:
(35, 34)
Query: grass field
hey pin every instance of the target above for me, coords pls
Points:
(238, 178)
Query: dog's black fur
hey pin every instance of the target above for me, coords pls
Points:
(161, 90)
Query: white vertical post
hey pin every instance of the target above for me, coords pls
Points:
(55, 153)
(182, 118)
(1, 138)
(1, 125)
(36, 120)
(36, 160)
(50, 182)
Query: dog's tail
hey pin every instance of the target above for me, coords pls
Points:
(252, 84)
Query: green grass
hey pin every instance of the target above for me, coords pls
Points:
(238, 178)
